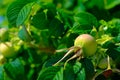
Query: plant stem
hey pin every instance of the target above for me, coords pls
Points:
(61, 50)
(108, 59)
(78, 54)
(70, 51)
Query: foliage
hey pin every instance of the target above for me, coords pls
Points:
(42, 31)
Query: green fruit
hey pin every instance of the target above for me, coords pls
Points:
(7, 49)
(103, 64)
(87, 43)
(3, 34)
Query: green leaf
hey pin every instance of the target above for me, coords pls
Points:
(86, 20)
(77, 67)
(109, 44)
(14, 10)
(69, 40)
(51, 73)
(114, 27)
(44, 16)
(81, 75)
(66, 18)
(77, 29)
(51, 10)
(56, 28)
(79, 70)
(97, 3)
(53, 59)
(23, 34)
(89, 68)
(113, 53)
(69, 72)
(23, 14)
(15, 70)
(1, 73)
(111, 3)
(40, 21)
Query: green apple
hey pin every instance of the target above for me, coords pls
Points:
(87, 43)
(7, 49)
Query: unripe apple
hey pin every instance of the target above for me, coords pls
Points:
(3, 34)
(7, 49)
(87, 43)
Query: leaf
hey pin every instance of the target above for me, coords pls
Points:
(114, 27)
(111, 3)
(15, 70)
(86, 20)
(53, 59)
(69, 40)
(40, 21)
(69, 72)
(100, 77)
(66, 18)
(84, 70)
(77, 28)
(89, 68)
(1, 73)
(109, 44)
(68, 4)
(23, 34)
(94, 32)
(56, 28)
(51, 10)
(45, 16)
(79, 70)
(77, 67)
(51, 73)
(114, 54)
(81, 75)
(14, 10)
(23, 14)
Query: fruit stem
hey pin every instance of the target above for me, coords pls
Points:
(70, 51)
(108, 59)
(61, 50)
(77, 54)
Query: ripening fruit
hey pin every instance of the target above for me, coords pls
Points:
(3, 34)
(7, 49)
(87, 43)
